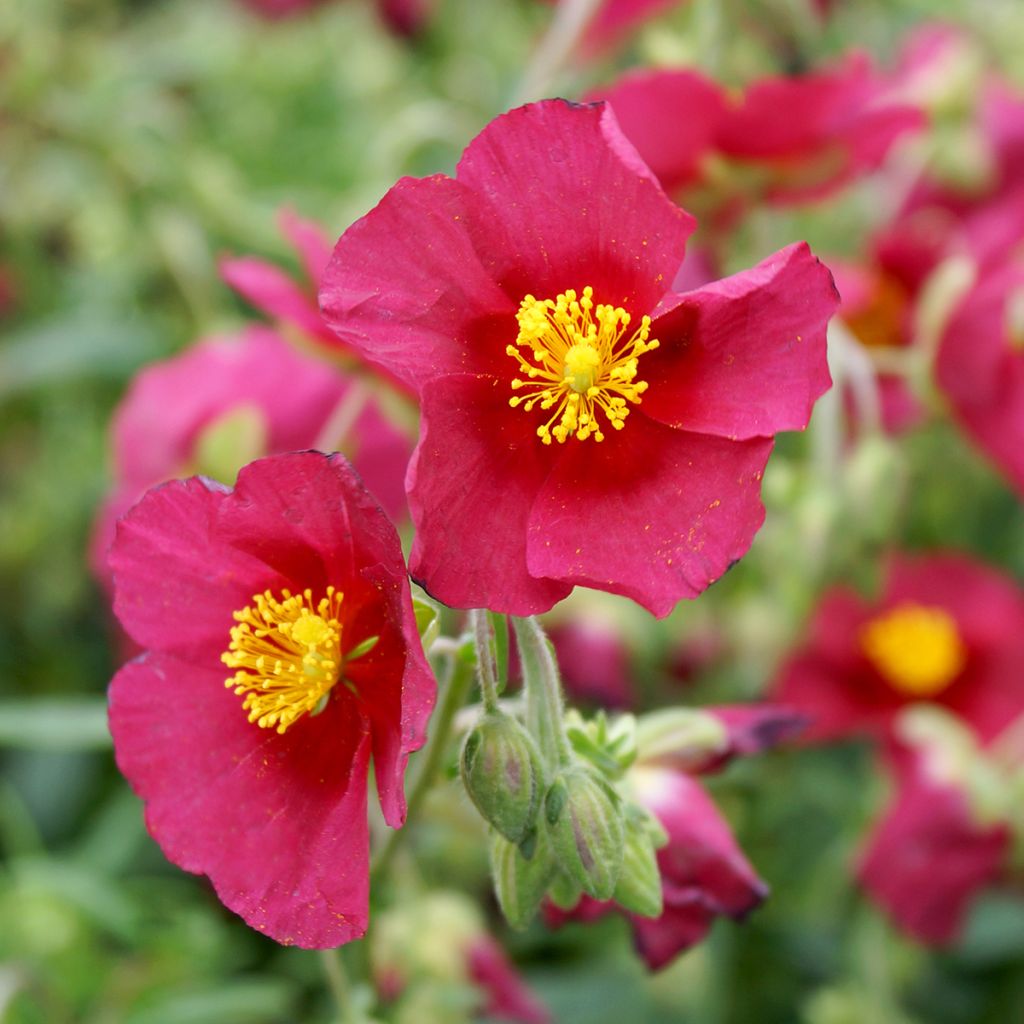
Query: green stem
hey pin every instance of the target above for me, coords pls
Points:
(487, 669)
(543, 692)
(454, 691)
(337, 982)
(568, 23)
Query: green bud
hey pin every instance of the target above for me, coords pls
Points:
(639, 888)
(564, 892)
(502, 774)
(686, 738)
(520, 883)
(583, 817)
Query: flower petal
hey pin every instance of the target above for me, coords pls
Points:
(927, 858)
(472, 481)
(270, 290)
(278, 823)
(745, 356)
(572, 204)
(652, 513)
(671, 116)
(177, 584)
(407, 288)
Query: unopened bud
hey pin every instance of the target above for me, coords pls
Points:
(639, 888)
(502, 774)
(563, 891)
(520, 883)
(685, 738)
(583, 816)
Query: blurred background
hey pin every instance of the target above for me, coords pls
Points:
(142, 141)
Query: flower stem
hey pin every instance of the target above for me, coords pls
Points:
(487, 670)
(568, 24)
(455, 689)
(543, 691)
(337, 982)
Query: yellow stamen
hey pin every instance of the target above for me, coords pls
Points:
(582, 363)
(916, 648)
(288, 655)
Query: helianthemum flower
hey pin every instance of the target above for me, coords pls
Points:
(946, 630)
(220, 404)
(282, 653)
(582, 422)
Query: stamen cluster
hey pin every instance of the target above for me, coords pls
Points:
(288, 655)
(582, 361)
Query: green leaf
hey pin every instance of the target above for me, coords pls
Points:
(69, 724)
(240, 1002)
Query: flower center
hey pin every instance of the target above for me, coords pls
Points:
(288, 655)
(583, 363)
(917, 649)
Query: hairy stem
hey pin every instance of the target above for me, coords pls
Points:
(543, 691)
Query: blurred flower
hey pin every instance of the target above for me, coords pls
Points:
(614, 19)
(439, 939)
(782, 140)
(594, 662)
(931, 852)
(295, 581)
(538, 467)
(704, 873)
(980, 362)
(946, 630)
(221, 403)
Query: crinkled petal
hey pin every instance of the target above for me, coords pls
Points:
(745, 356)
(407, 289)
(652, 513)
(572, 204)
(278, 823)
(472, 481)
(671, 116)
(177, 584)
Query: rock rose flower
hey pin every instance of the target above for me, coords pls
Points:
(582, 421)
(220, 404)
(946, 630)
(281, 652)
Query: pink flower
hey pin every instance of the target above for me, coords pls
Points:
(785, 139)
(259, 780)
(507, 997)
(539, 465)
(593, 662)
(946, 629)
(173, 408)
(930, 855)
(980, 363)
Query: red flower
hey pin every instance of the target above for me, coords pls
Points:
(786, 139)
(930, 855)
(980, 364)
(704, 873)
(946, 629)
(259, 779)
(629, 460)
(508, 998)
(163, 424)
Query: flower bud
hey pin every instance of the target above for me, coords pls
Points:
(639, 888)
(685, 738)
(502, 774)
(564, 892)
(583, 817)
(520, 883)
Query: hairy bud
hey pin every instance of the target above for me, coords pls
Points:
(502, 774)
(583, 818)
(520, 882)
(639, 888)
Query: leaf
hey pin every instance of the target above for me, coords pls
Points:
(65, 724)
(239, 1002)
